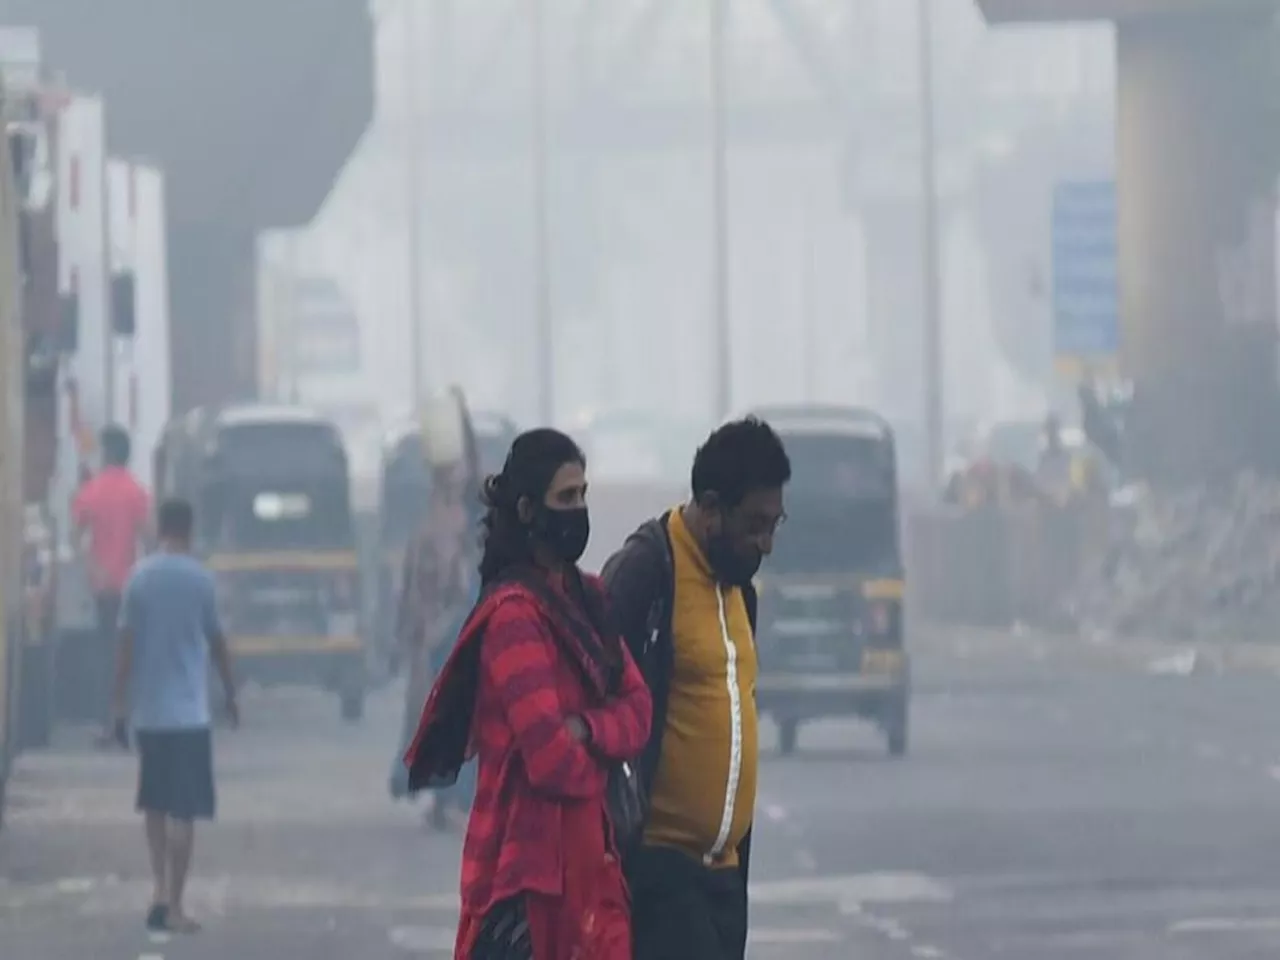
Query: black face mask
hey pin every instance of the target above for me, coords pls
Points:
(565, 531)
(731, 568)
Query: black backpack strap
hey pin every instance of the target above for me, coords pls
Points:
(640, 580)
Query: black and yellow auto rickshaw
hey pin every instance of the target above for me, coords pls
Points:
(831, 635)
(274, 523)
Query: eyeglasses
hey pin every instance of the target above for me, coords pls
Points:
(758, 526)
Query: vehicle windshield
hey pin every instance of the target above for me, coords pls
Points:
(841, 466)
(267, 448)
(307, 514)
(276, 487)
(841, 506)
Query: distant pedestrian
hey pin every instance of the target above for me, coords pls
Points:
(111, 511)
(542, 692)
(169, 631)
(1055, 467)
(441, 582)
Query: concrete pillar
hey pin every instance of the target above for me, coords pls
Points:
(1195, 177)
(895, 307)
(212, 279)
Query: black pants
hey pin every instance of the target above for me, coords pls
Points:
(681, 910)
(504, 934)
(103, 656)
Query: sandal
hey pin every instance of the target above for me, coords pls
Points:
(158, 918)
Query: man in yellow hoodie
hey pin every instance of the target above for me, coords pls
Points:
(681, 589)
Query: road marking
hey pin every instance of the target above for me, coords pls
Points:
(806, 861)
(150, 956)
(773, 936)
(1226, 925)
(888, 927)
(775, 812)
(1274, 773)
(926, 952)
(74, 885)
(423, 939)
(217, 895)
(860, 888)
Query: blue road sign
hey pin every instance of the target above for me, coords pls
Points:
(1086, 294)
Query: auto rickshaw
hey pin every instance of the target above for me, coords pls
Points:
(831, 628)
(274, 523)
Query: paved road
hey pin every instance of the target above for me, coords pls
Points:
(1050, 809)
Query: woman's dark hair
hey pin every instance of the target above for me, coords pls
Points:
(531, 464)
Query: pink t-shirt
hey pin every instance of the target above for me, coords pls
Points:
(113, 507)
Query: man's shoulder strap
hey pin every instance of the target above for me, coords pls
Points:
(656, 531)
(655, 535)
(646, 566)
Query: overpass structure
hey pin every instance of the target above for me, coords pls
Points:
(252, 108)
(1196, 136)
(833, 86)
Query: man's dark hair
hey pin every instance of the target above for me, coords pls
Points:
(177, 520)
(739, 457)
(116, 447)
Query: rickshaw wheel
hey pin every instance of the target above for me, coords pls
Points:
(352, 704)
(788, 736)
(896, 728)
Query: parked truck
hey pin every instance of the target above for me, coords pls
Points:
(95, 345)
(12, 381)
(115, 358)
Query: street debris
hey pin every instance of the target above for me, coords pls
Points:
(1203, 565)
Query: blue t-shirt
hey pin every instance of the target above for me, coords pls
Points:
(170, 606)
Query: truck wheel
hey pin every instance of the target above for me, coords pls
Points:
(352, 702)
(897, 726)
(788, 736)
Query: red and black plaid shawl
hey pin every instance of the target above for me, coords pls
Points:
(577, 615)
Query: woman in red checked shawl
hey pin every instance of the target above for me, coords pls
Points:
(547, 698)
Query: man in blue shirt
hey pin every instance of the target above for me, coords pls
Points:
(169, 629)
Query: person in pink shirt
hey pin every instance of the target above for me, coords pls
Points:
(112, 512)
